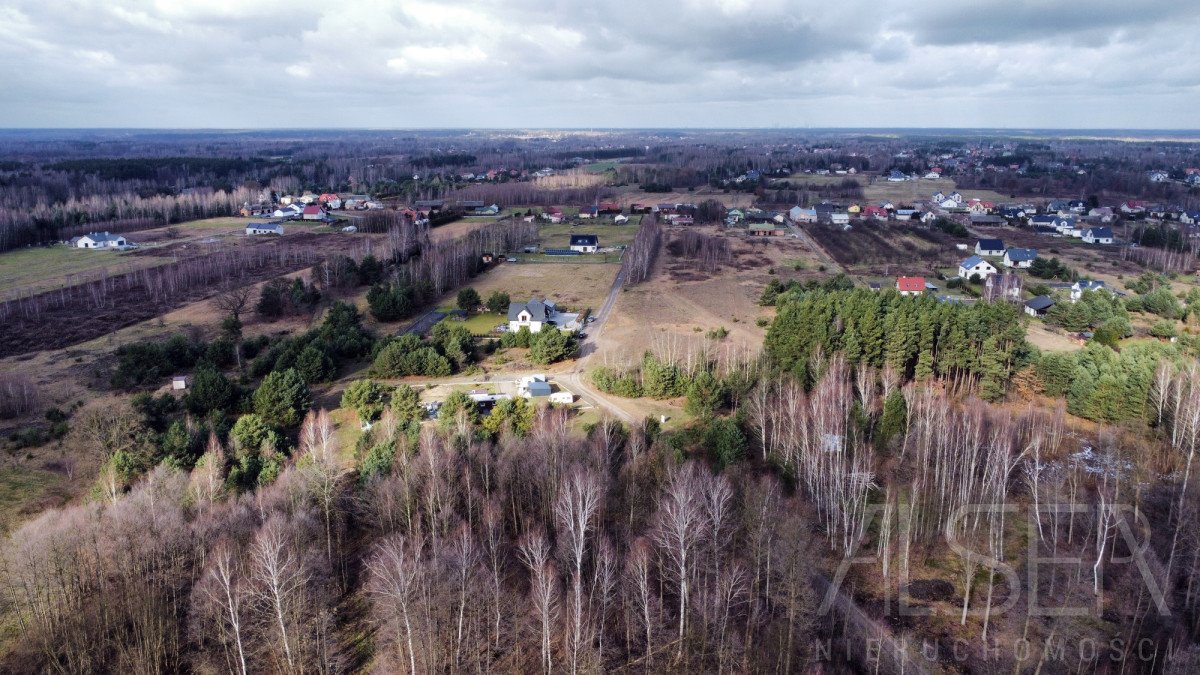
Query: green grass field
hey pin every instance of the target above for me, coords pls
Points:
(217, 224)
(21, 488)
(43, 269)
(600, 167)
(814, 179)
(559, 236)
(586, 259)
(911, 191)
(478, 324)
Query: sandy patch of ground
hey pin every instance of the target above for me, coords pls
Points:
(1049, 339)
(574, 286)
(679, 305)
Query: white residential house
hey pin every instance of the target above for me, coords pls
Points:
(585, 243)
(1159, 177)
(976, 266)
(840, 218)
(94, 240)
(1068, 226)
(948, 204)
(289, 211)
(264, 228)
(1020, 257)
(533, 386)
(991, 247)
(1078, 288)
(1098, 235)
(802, 215)
(532, 315)
(958, 199)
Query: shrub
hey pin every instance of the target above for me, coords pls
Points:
(1164, 329)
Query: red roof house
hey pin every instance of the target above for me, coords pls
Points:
(910, 285)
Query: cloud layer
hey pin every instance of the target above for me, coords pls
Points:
(621, 63)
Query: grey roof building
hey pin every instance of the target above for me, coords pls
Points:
(538, 310)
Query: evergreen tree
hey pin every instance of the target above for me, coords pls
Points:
(210, 391)
(370, 271)
(704, 395)
(250, 432)
(550, 345)
(367, 398)
(498, 302)
(314, 365)
(449, 411)
(894, 420)
(282, 399)
(406, 404)
(724, 438)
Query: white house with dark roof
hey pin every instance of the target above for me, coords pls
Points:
(532, 315)
(264, 228)
(994, 247)
(585, 243)
(1020, 257)
(976, 266)
(1078, 288)
(1038, 306)
(1098, 235)
(94, 240)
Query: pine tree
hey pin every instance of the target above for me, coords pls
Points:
(894, 421)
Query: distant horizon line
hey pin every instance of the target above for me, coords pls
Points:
(603, 128)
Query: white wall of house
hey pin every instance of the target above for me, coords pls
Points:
(525, 319)
(983, 269)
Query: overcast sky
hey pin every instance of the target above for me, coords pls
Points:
(597, 63)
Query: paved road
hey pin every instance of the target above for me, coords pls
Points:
(422, 324)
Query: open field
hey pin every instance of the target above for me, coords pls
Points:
(680, 304)
(559, 236)
(600, 167)
(814, 179)
(34, 270)
(1049, 339)
(888, 249)
(632, 195)
(574, 286)
(57, 321)
(911, 191)
(458, 229)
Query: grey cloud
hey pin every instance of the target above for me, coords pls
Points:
(636, 63)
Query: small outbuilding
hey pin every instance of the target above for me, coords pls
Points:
(1038, 306)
